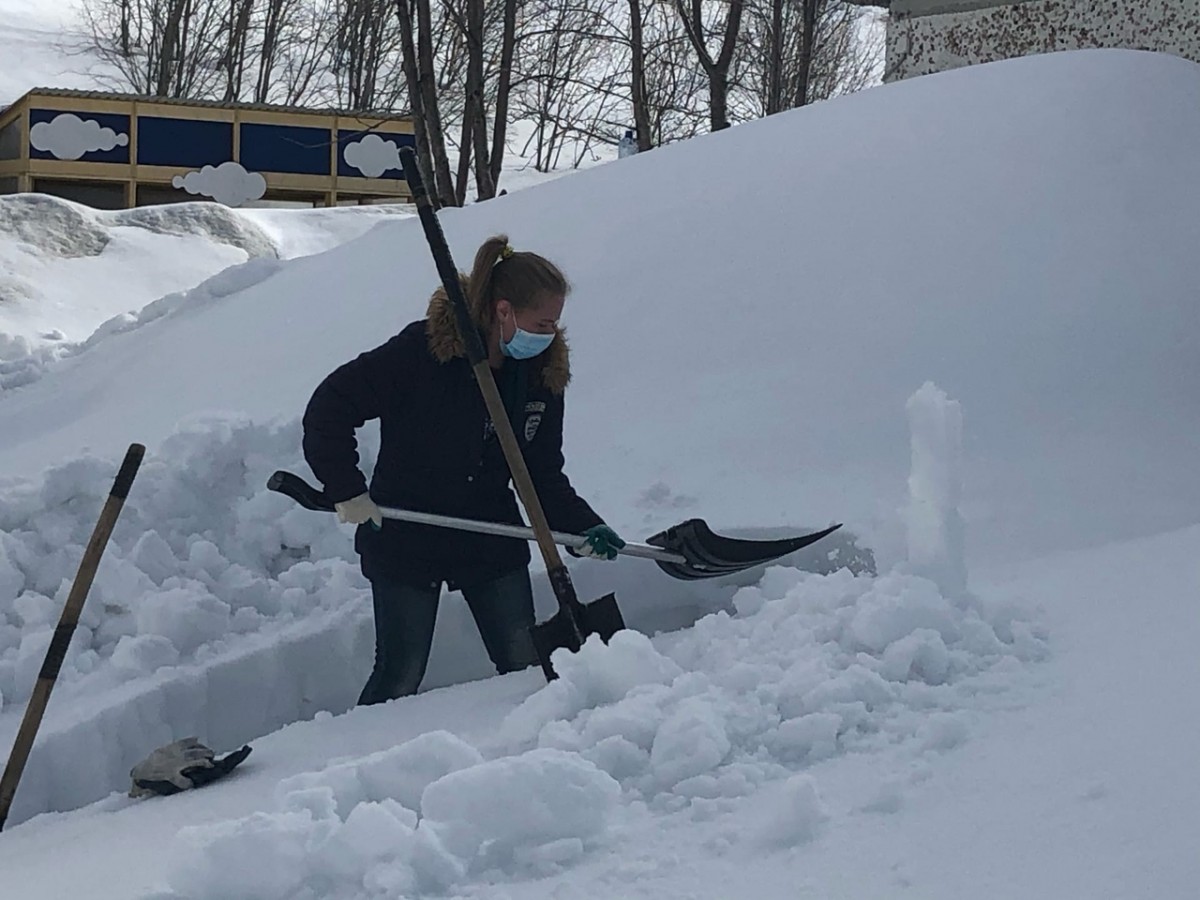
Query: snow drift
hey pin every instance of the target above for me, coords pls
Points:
(70, 274)
(1014, 234)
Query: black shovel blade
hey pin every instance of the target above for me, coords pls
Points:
(710, 555)
(601, 617)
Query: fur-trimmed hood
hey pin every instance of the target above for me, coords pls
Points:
(446, 343)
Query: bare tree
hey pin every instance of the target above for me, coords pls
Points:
(640, 100)
(429, 99)
(569, 84)
(675, 84)
(302, 53)
(366, 51)
(695, 17)
(508, 46)
(168, 48)
(795, 52)
(236, 45)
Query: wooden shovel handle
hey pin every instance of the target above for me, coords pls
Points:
(57, 651)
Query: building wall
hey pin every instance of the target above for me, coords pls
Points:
(925, 36)
(161, 150)
(11, 137)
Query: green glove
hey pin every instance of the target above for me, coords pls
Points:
(602, 543)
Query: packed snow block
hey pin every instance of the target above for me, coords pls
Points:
(88, 743)
(806, 738)
(810, 666)
(143, 654)
(187, 617)
(691, 741)
(401, 773)
(487, 813)
(596, 676)
(12, 579)
(261, 857)
(375, 844)
(793, 813)
(308, 851)
(897, 607)
(337, 832)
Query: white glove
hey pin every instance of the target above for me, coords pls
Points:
(169, 764)
(358, 510)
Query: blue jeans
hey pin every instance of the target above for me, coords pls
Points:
(405, 616)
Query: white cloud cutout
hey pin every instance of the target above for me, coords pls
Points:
(69, 137)
(372, 155)
(228, 183)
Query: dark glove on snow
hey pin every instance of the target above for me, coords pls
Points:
(176, 767)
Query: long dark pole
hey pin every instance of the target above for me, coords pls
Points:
(560, 579)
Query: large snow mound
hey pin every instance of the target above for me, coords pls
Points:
(212, 589)
(1014, 234)
(67, 270)
(808, 668)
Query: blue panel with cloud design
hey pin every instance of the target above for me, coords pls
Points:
(87, 136)
(365, 154)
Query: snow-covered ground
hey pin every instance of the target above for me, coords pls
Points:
(70, 274)
(956, 313)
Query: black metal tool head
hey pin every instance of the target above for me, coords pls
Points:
(562, 630)
(710, 555)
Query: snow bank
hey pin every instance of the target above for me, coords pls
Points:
(67, 270)
(222, 609)
(810, 666)
(343, 832)
(178, 634)
(736, 709)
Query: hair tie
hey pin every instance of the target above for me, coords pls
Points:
(507, 252)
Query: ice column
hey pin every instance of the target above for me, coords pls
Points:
(936, 548)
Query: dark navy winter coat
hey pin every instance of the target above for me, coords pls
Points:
(439, 453)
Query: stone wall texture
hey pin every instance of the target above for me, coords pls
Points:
(918, 45)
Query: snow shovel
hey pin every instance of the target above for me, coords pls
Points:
(574, 622)
(689, 551)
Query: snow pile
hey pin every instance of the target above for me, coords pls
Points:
(794, 815)
(214, 588)
(810, 667)
(415, 819)
(67, 269)
(175, 627)
(32, 364)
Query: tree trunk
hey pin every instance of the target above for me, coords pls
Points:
(475, 117)
(718, 69)
(503, 89)
(416, 103)
(444, 186)
(775, 60)
(464, 153)
(169, 52)
(806, 52)
(272, 25)
(641, 101)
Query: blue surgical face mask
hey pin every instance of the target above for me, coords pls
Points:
(525, 344)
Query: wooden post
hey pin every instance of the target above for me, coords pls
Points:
(57, 651)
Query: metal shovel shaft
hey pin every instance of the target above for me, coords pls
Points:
(574, 541)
